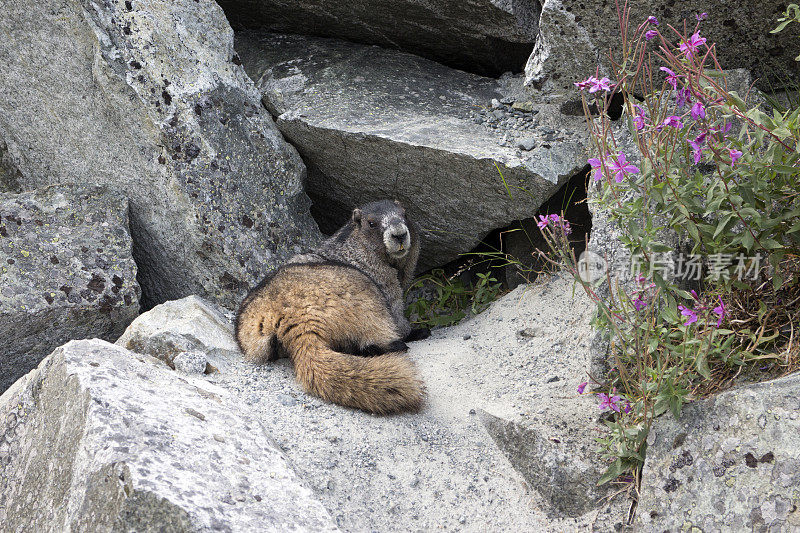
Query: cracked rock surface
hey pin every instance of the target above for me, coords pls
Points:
(98, 438)
(374, 123)
(66, 272)
(483, 36)
(731, 463)
(148, 98)
(574, 38)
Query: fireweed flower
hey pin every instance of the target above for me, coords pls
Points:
(620, 167)
(628, 407)
(599, 85)
(652, 20)
(558, 221)
(697, 146)
(608, 402)
(690, 47)
(683, 97)
(735, 155)
(673, 121)
(639, 303)
(720, 311)
(583, 84)
(596, 164)
(582, 386)
(544, 220)
(650, 34)
(688, 312)
(698, 111)
(639, 119)
(672, 78)
(701, 16)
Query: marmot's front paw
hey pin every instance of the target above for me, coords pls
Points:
(417, 334)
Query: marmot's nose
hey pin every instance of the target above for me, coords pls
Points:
(399, 237)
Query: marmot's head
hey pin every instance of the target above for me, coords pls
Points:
(384, 226)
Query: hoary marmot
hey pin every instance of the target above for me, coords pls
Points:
(338, 314)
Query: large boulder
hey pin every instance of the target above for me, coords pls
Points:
(66, 270)
(731, 463)
(101, 439)
(373, 123)
(574, 38)
(147, 97)
(488, 37)
(190, 325)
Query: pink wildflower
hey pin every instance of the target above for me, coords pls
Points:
(698, 111)
(652, 20)
(683, 97)
(690, 47)
(582, 386)
(701, 16)
(672, 78)
(608, 402)
(688, 312)
(628, 407)
(639, 303)
(639, 119)
(735, 155)
(650, 34)
(583, 84)
(697, 146)
(599, 85)
(596, 164)
(621, 167)
(673, 121)
(720, 310)
(544, 220)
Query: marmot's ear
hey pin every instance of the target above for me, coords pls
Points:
(397, 203)
(357, 215)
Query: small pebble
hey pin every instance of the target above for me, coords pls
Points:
(190, 362)
(527, 144)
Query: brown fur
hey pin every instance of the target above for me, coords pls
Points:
(315, 309)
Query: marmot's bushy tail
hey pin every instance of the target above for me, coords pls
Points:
(383, 384)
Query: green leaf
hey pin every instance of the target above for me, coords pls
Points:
(781, 26)
(611, 473)
(702, 367)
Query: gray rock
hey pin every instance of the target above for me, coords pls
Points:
(190, 324)
(149, 100)
(527, 144)
(445, 463)
(483, 36)
(66, 272)
(575, 38)
(10, 175)
(100, 439)
(370, 123)
(190, 362)
(731, 463)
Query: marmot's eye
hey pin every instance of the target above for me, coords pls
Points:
(371, 224)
